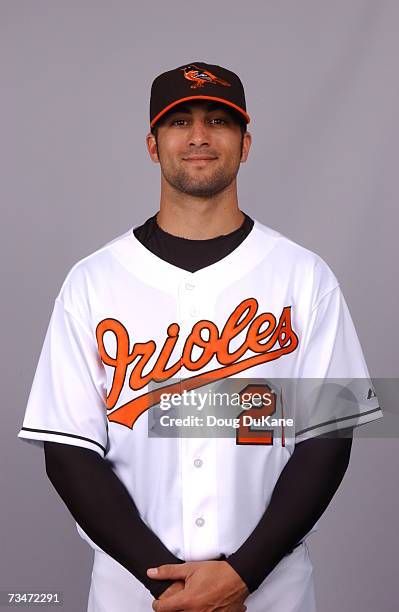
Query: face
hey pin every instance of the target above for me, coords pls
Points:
(199, 146)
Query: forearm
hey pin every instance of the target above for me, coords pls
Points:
(301, 495)
(102, 506)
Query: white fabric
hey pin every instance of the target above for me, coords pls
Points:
(67, 398)
(123, 299)
(288, 588)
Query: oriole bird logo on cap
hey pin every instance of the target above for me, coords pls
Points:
(202, 77)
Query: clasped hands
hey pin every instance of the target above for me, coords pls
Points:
(200, 586)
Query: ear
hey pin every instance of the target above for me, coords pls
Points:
(246, 145)
(152, 147)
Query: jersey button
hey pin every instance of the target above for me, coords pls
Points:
(200, 522)
(189, 286)
(198, 462)
(194, 312)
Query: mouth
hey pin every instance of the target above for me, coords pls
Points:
(199, 160)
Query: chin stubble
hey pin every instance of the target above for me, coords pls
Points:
(202, 187)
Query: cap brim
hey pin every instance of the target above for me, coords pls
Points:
(222, 100)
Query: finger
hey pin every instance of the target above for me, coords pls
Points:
(169, 571)
(173, 603)
(176, 587)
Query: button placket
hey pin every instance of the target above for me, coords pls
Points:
(188, 309)
(199, 493)
(198, 455)
(194, 311)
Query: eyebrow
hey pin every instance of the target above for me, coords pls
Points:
(184, 108)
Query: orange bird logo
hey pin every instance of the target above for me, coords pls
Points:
(202, 77)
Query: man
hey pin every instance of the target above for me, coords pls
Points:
(198, 295)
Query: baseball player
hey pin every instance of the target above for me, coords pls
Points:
(199, 295)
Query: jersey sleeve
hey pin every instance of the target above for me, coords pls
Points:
(334, 390)
(67, 399)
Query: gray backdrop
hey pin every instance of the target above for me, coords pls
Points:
(322, 90)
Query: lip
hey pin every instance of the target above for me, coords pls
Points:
(194, 160)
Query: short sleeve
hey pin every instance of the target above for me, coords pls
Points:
(67, 399)
(334, 390)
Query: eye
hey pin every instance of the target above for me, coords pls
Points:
(220, 121)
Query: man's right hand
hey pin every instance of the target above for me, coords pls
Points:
(178, 585)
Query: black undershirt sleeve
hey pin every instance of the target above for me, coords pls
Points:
(302, 493)
(102, 506)
(99, 502)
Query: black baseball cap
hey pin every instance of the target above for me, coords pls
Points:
(193, 81)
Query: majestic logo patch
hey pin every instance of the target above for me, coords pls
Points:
(202, 77)
(215, 346)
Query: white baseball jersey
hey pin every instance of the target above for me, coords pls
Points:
(124, 319)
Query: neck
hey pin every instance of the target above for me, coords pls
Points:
(200, 218)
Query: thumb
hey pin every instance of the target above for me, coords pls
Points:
(171, 571)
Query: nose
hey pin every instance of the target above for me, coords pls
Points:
(198, 134)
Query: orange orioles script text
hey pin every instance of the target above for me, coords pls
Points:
(217, 345)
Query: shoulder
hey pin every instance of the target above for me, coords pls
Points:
(305, 269)
(88, 274)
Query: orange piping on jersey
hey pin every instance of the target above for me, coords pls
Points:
(165, 110)
(217, 346)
